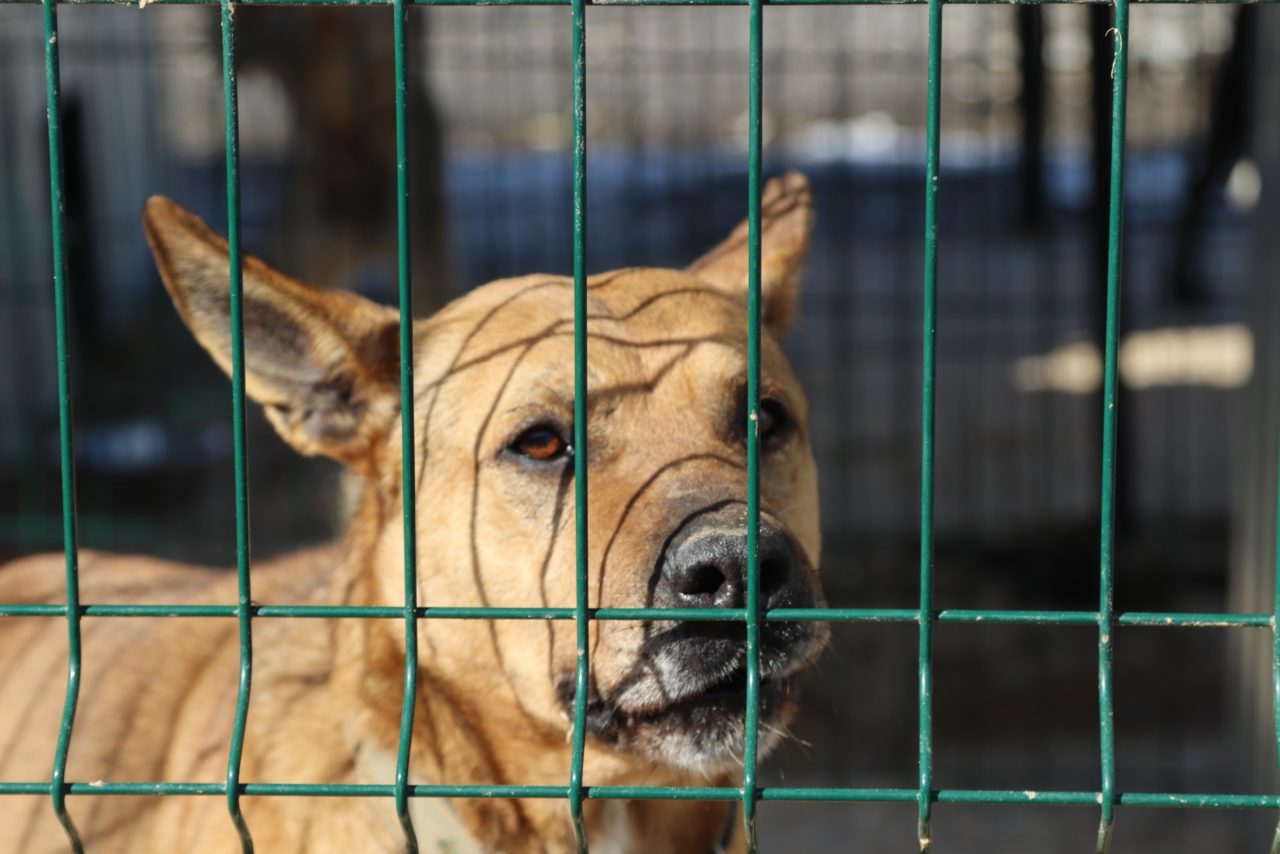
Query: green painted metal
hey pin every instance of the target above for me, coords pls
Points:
(1275, 650)
(1149, 619)
(582, 673)
(645, 2)
(244, 617)
(929, 366)
(751, 717)
(1106, 573)
(1195, 621)
(576, 792)
(408, 491)
(66, 442)
(666, 793)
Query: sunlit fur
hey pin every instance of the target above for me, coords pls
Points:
(667, 366)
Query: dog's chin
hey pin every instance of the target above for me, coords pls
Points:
(702, 732)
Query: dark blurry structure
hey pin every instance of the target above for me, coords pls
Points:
(1257, 456)
(1019, 367)
(339, 199)
(1229, 139)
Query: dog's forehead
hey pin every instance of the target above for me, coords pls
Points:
(632, 313)
(645, 301)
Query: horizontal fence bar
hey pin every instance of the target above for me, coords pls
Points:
(1029, 796)
(1166, 800)
(1195, 621)
(1156, 619)
(643, 2)
(1052, 618)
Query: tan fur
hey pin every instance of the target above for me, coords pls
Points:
(667, 361)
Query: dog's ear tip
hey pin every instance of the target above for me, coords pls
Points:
(161, 214)
(791, 183)
(792, 179)
(158, 207)
(158, 215)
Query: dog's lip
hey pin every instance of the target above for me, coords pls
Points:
(728, 692)
(723, 696)
(722, 684)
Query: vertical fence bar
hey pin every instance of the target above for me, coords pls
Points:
(231, 117)
(582, 680)
(1275, 650)
(752, 712)
(924, 795)
(66, 441)
(408, 488)
(1115, 229)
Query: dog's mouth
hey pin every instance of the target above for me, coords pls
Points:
(697, 719)
(718, 702)
(702, 730)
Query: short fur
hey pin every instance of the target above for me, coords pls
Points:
(667, 367)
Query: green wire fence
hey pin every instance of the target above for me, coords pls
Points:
(1106, 798)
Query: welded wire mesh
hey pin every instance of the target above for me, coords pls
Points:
(923, 615)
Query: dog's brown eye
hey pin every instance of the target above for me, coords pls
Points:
(774, 423)
(541, 443)
(774, 420)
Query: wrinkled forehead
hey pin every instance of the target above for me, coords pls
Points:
(636, 320)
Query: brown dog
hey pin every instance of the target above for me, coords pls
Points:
(493, 407)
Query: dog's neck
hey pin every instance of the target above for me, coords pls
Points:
(454, 741)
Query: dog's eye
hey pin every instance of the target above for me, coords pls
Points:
(541, 443)
(775, 421)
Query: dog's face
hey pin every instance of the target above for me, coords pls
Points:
(666, 457)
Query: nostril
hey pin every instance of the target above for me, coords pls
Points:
(774, 574)
(708, 570)
(704, 579)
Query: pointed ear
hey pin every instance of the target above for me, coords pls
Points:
(323, 363)
(786, 218)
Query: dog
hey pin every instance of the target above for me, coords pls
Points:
(493, 408)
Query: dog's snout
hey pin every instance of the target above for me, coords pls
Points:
(708, 569)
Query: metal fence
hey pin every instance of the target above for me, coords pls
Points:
(922, 614)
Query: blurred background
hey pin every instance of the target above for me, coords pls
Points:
(1026, 103)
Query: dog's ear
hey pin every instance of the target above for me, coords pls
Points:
(786, 218)
(322, 362)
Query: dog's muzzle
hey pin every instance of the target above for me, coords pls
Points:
(683, 699)
(706, 567)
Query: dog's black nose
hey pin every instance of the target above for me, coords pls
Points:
(707, 568)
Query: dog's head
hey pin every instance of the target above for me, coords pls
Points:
(494, 459)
